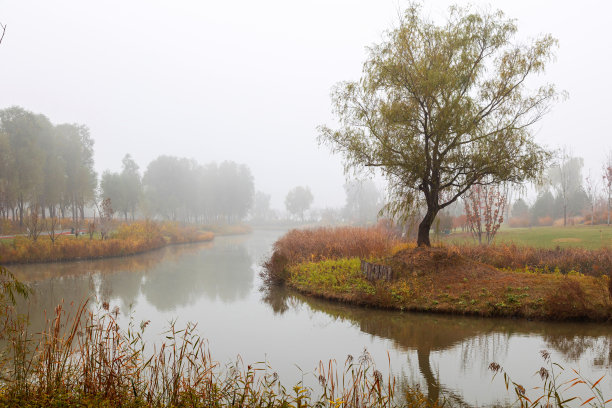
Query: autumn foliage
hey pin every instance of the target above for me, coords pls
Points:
(317, 244)
(484, 209)
(129, 239)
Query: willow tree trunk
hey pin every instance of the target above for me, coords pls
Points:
(425, 226)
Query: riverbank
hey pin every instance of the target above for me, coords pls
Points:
(443, 279)
(128, 239)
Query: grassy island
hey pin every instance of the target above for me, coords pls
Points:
(503, 280)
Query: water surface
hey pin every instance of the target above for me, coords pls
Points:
(216, 285)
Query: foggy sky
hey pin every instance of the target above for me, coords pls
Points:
(249, 81)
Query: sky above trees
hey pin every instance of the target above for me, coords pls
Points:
(250, 81)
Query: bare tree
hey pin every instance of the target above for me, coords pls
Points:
(34, 224)
(52, 224)
(91, 229)
(590, 188)
(565, 178)
(484, 204)
(607, 179)
(106, 217)
(3, 28)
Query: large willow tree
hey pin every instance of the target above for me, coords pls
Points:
(441, 108)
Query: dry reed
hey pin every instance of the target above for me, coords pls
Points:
(85, 359)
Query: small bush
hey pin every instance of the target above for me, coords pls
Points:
(568, 301)
(545, 221)
(519, 222)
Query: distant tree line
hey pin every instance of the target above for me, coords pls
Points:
(44, 167)
(180, 189)
(567, 197)
(363, 203)
(48, 170)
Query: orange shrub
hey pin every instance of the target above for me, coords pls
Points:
(545, 221)
(178, 234)
(518, 222)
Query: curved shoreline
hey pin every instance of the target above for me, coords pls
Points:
(444, 312)
(130, 239)
(110, 256)
(487, 292)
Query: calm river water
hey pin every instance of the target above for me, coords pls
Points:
(217, 286)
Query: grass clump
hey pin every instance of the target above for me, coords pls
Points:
(340, 276)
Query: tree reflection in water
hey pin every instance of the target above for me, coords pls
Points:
(168, 278)
(476, 337)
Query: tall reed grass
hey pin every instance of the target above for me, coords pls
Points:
(86, 359)
(560, 387)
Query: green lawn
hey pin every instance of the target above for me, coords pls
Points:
(586, 236)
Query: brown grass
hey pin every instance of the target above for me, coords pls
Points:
(316, 244)
(594, 262)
